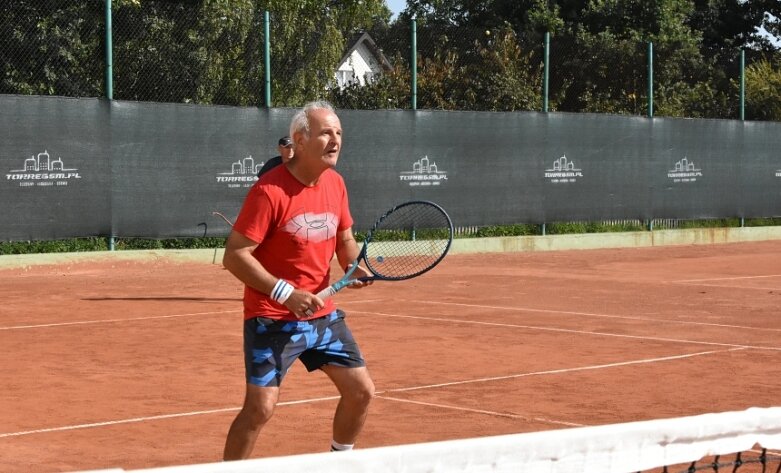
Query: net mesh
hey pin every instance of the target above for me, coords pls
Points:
(409, 240)
(745, 441)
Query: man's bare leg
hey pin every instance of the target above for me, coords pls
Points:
(357, 390)
(258, 407)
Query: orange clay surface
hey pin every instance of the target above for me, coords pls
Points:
(137, 364)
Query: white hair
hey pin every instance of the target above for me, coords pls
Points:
(300, 121)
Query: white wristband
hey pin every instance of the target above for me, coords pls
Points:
(282, 290)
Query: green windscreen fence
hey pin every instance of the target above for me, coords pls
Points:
(90, 167)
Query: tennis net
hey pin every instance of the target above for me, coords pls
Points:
(745, 441)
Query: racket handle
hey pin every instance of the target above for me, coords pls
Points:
(327, 292)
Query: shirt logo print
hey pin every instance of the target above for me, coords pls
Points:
(311, 227)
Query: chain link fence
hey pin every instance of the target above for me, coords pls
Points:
(190, 51)
(168, 51)
(52, 48)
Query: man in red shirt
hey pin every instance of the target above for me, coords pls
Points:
(293, 221)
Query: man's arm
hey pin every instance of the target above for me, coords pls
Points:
(239, 261)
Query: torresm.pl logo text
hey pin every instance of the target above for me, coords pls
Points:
(42, 171)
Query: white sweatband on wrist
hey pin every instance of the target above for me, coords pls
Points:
(282, 290)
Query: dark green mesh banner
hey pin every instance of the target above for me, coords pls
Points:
(81, 167)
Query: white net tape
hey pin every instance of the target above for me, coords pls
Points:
(617, 448)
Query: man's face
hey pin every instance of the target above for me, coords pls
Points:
(324, 141)
(286, 152)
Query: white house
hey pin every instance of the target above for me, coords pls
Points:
(362, 62)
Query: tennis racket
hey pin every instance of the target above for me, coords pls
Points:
(407, 241)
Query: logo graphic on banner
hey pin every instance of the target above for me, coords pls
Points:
(684, 171)
(563, 170)
(43, 171)
(243, 173)
(424, 173)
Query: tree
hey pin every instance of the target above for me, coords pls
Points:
(763, 90)
(51, 50)
(200, 51)
(599, 60)
(730, 24)
(307, 40)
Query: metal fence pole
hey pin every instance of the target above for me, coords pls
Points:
(742, 102)
(109, 54)
(266, 60)
(109, 78)
(650, 79)
(414, 62)
(742, 84)
(546, 72)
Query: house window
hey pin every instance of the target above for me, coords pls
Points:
(343, 78)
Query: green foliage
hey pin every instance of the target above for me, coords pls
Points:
(101, 244)
(762, 222)
(472, 54)
(555, 228)
(599, 61)
(560, 228)
(51, 51)
(491, 72)
(611, 75)
(763, 90)
(507, 230)
(714, 223)
(58, 246)
(308, 39)
(389, 91)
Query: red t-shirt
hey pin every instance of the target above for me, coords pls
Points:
(295, 227)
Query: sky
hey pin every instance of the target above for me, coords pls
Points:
(396, 6)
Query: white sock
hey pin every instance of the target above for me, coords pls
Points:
(339, 447)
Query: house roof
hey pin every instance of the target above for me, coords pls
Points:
(364, 38)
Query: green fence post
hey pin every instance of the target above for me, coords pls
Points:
(545, 72)
(266, 60)
(109, 78)
(414, 62)
(650, 79)
(742, 101)
(742, 84)
(109, 54)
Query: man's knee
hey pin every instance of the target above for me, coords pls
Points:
(256, 416)
(363, 393)
(258, 407)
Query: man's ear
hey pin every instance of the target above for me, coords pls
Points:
(298, 139)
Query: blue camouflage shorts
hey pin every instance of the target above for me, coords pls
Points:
(271, 346)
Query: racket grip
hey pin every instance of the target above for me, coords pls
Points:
(327, 292)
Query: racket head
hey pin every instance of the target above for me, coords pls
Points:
(408, 240)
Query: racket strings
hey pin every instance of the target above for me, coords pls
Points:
(408, 241)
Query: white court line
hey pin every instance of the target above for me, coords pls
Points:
(149, 418)
(330, 398)
(111, 321)
(132, 319)
(591, 314)
(728, 279)
(565, 330)
(481, 411)
(733, 286)
(566, 370)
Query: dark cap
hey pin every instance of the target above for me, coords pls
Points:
(285, 141)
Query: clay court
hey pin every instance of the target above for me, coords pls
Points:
(138, 363)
